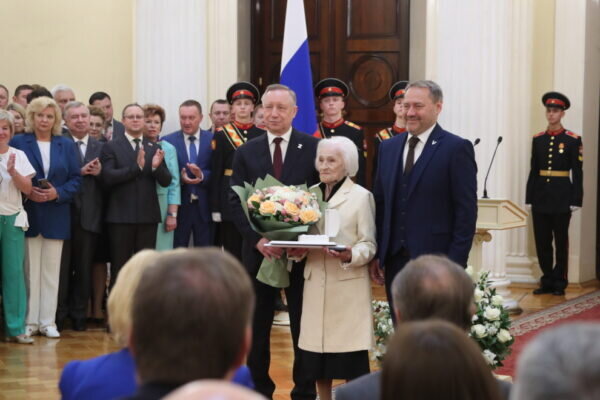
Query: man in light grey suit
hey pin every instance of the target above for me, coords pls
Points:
(427, 287)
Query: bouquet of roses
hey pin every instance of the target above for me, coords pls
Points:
(279, 212)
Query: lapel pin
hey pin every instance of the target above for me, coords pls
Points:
(300, 146)
(433, 142)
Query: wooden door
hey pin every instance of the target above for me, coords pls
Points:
(365, 43)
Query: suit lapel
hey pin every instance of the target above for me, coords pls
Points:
(292, 154)
(433, 143)
(35, 150)
(124, 146)
(398, 164)
(56, 150)
(90, 151)
(181, 149)
(264, 156)
(341, 195)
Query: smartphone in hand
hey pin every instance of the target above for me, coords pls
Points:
(43, 183)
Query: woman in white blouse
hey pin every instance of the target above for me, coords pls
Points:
(15, 178)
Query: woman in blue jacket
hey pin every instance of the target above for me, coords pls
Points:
(57, 179)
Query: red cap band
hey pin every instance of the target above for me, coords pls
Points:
(552, 102)
(242, 93)
(331, 89)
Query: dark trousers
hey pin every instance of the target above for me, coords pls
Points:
(75, 272)
(394, 264)
(259, 358)
(230, 239)
(548, 227)
(190, 221)
(125, 241)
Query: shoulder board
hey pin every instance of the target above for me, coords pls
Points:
(539, 134)
(573, 135)
(233, 135)
(352, 124)
(384, 134)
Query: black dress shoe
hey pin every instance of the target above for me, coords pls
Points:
(542, 291)
(558, 292)
(79, 325)
(60, 324)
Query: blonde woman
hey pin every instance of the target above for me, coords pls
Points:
(57, 179)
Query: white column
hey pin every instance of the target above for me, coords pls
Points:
(577, 62)
(171, 55)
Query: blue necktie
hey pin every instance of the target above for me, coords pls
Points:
(193, 157)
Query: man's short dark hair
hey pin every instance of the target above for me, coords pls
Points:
(191, 312)
(192, 103)
(130, 105)
(434, 287)
(217, 101)
(22, 87)
(98, 96)
(39, 91)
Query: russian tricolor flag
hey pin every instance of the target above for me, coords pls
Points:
(295, 66)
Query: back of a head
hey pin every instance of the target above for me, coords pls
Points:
(434, 287)
(213, 390)
(562, 363)
(191, 313)
(435, 360)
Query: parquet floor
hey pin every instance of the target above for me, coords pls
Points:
(32, 372)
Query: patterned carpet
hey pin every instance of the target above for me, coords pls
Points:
(584, 308)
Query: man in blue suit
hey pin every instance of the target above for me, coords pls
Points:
(194, 153)
(425, 189)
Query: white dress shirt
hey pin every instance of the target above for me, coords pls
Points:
(45, 153)
(187, 140)
(83, 147)
(283, 145)
(131, 140)
(419, 147)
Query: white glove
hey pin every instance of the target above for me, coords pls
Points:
(574, 208)
(216, 217)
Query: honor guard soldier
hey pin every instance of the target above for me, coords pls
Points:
(331, 94)
(554, 190)
(242, 96)
(397, 96)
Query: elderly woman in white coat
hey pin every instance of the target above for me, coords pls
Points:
(336, 329)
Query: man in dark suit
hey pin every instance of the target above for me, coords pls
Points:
(428, 287)
(86, 223)
(425, 189)
(114, 129)
(289, 156)
(194, 154)
(131, 167)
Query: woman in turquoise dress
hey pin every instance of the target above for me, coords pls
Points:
(169, 197)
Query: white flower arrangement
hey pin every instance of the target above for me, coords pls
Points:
(491, 323)
(489, 326)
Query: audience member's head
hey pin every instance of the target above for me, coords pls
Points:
(38, 91)
(210, 389)
(43, 108)
(562, 363)
(154, 118)
(435, 360)
(77, 119)
(433, 287)
(259, 116)
(219, 113)
(62, 94)
(18, 113)
(7, 122)
(121, 296)
(97, 122)
(190, 116)
(3, 97)
(21, 93)
(133, 119)
(192, 314)
(102, 100)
